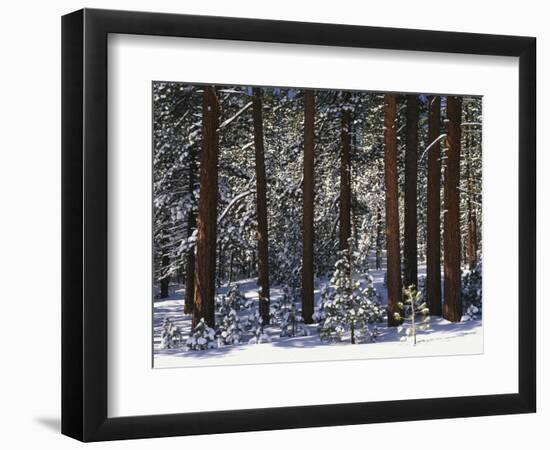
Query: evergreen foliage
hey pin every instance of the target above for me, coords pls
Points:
(230, 330)
(234, 300)
(348, 310)
(414, 314)
(171, 335)
(290, 316)
(255, 327)
(471, 293)
(202, 337)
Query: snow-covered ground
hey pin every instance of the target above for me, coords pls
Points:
(443, 337)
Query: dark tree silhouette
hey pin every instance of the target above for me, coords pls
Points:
(471, 215)
(261, 205)
(205, 264)
(165, 263)
(452, 308)
(411, 179)
(433, 250)
(345, 182)
(190, 257)
(379, 238)
(307, 270)
(392, 209)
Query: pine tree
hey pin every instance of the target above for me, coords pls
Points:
(202, 337)
(233, 300)
(290, 317)
(165, 281)
(255, 325)
(230, 330)
(413, 313)
(348, 309)
(345, 173)
(411, 180)
(452, 307)
(261, 205)
(191, 226)
(318, 156)
(433, 263)
(471, 293)
(308, 198)
(205, 264)
(392, 209)
(171, 334)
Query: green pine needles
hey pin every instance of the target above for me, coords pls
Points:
(347, 310)
(414, 314)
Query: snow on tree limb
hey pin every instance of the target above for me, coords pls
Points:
(233, 202)
(439, 138)
(232, 118)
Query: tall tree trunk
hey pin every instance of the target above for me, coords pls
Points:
(261, 205)
(474, 243)
(452, 308)
(345, 184)
(433, 264)
(230, 280)
(411, 175)
(191, 224)
(378, 239)
(205, 264)
(472, 225)
(392, 209)
(165, 262)
(307, 270)
(221, 262)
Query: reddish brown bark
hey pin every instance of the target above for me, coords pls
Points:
(345, 183)
(433, 250)
(392, 209)
(411, 176)
(165, 262)
(308, 231)
(378, 239)
(190, 257)
(261, 205)
(205, 263)
(472, 238)
(471, 250)
(452, 307)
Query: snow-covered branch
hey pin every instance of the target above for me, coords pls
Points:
(234, 202)
(432, 144)
(232, 118)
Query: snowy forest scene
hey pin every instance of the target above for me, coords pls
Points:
(301, 224)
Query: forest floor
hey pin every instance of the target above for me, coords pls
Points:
(442, 339)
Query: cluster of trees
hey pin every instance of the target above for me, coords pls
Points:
(274, 182)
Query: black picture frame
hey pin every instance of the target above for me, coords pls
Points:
(84, 224)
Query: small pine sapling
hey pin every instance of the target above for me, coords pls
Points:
(371, 312)
(230, 330)
(236, 299)
(414, 314)
(256, 327)
(275, 310)
(471, 293)
(319, 314)
(347, 309)
(290, 317)
(171, 335)
(202, 337)
(233, 300)
(422, 285)
(330, 314)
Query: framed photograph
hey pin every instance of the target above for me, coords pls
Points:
(274, 225)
